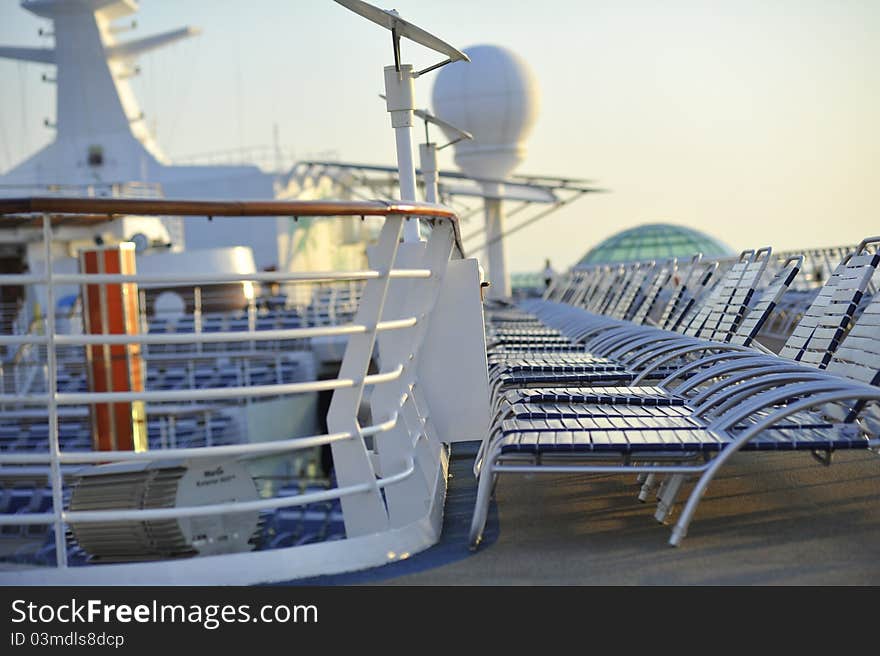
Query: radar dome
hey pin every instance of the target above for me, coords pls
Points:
(495, 97)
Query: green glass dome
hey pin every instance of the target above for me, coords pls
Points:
(655, 241)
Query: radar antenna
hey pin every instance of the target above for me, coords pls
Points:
(399, 89)
(428, 150)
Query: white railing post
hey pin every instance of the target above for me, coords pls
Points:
(197, 315)
(363, 513)
(408, 499)
(51, 390)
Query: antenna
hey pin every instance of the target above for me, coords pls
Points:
(428, 150)
(399, 89)
(391, 20)
(446, 126)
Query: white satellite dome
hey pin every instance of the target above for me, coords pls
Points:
(495, 98)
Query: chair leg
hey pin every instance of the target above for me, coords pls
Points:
(679, 531)
(649, 483)
(667, 498)
(485, 484)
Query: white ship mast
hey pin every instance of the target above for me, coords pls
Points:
(100, 132)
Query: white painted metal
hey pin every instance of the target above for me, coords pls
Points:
(499, 277)
(403, 429)
(56, 480)
(452, 363)
(364, 513)
(428, 164)
(391, 20)
(400, 101)
(254, 567)
(496, 99)
(399, 90)
(406, 501)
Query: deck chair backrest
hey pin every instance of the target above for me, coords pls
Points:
(729, 299)
(823, 325)
(637, 293)
(634, 282)
(685, 302)
(757, 314)
(678, 285)
(858, 356)
(593, 279)
(623, 276)
(599, 288)
(744, 296)
(606, 288)
(662, 275)
(576, 282)
(582, 282)
(623, 280)
(569, 289)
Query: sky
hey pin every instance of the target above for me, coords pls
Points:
(753, 120)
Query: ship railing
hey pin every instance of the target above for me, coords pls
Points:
(128, 189)
(365, 486)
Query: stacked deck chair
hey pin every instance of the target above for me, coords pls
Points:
(718, 364)
(636, 394)
(777, 408)
(563, 317)
(507, 342)
(615, 355)
(812, 342)
(608, 290)
(721, 366)
(621, 399)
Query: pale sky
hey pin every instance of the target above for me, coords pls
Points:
(754, 120)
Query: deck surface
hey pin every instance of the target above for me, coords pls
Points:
(768, 519)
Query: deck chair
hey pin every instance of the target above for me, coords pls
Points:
(718, 316)
(618, 291)
(813, 342)
(685, 444)
(660, 395)
(674, 440)
(563, 315)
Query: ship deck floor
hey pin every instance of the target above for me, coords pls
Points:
(767, 519)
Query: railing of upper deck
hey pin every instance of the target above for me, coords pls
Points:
(359, 485)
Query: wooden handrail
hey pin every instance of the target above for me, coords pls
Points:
(100, 209)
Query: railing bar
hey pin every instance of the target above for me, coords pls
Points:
(261, 276)
(96, 516)
(621, 469)
(22, 278)
(24, 339)
(237, 336)
(24, 398)
(52, 405)
(258, 449)
(225, 392)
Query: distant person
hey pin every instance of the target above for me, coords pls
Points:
(549, 273)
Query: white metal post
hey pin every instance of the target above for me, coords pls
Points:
(51, 388)
(408, 499)
(400, 101)
(428, 162)
(363, 513)
(498, 276)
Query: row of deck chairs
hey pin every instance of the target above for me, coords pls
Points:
(655, 369)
